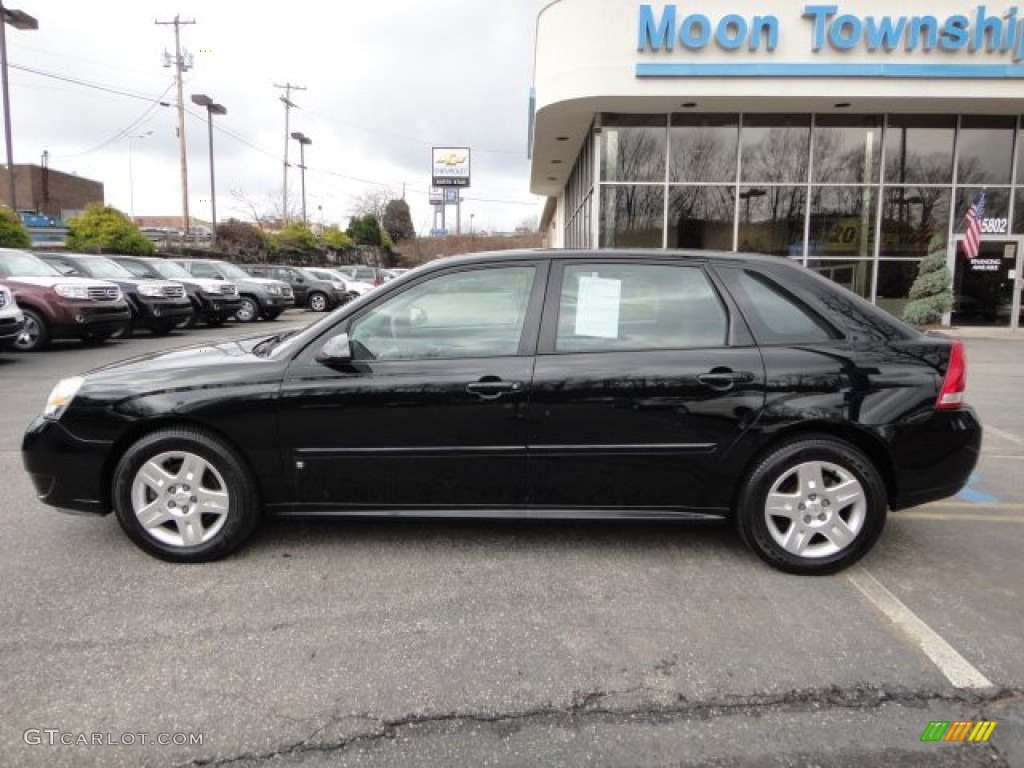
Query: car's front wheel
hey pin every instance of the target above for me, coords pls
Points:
(184, 495)
(812, 506)
(248, 311)
(34, 334)
(318, 301)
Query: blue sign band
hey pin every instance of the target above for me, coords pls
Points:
(771, 69)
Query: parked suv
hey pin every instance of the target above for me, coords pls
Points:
(60, 307)
(11, 318)
(158, 305)
(260, 297)
(310, 291)
(213, 301)
(375, 276)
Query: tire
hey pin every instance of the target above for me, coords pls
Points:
(272, 314)
(318, 302)
(812, 506)
(34, 335)
(249, 311)
(156, 479)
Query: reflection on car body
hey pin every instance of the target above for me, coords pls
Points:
(564, 384)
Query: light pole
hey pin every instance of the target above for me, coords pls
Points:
(18, 20)
(131, 173)
(211, 109)
(303, 140)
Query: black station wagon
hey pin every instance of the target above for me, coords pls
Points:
(650, 385)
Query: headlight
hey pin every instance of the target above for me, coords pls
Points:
(72, 291)
(153, 290)
(274, 290)
(209, 286)
(61, 396)
(338, 286)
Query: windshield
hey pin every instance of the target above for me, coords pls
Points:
(100, 267)
(24, 265)
(170, 270)
(232, 271)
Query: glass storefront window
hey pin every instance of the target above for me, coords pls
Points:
(703, 148)
(843, 221)
(633, 147)
(700, 217)
(919, 149)
(985, 151)
(775, 148)
(997, 209)
(632, 216)
(855, 274)
(772, 220)
(1018, 212)
(911, 217)
(847, 149)
(894, 280)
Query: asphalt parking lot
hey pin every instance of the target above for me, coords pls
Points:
(509, 643)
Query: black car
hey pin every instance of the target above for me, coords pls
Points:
(158, 305)
(318, 294)
(656, 385)
(213, 301)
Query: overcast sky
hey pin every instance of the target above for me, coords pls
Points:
(386, 80)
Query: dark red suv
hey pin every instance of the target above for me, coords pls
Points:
(56, 306)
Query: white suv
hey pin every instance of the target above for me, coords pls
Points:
(12, 320)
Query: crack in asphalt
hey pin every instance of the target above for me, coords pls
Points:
(600, 705)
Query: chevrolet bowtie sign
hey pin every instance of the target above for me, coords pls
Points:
(450, 167)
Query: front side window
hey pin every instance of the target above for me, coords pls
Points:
(204, 270)
(477, 313)
(623, 307)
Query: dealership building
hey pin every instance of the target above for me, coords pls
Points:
(853, 138)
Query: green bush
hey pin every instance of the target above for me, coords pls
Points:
(931, 295)
(13, 233)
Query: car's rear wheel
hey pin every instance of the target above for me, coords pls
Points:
(318, 302)
(184, 495)
(248, 311)
(34, 334)
(812, 506)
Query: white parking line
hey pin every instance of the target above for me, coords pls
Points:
(1003, 434)
(960, 672)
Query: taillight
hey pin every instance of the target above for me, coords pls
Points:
(951, 395)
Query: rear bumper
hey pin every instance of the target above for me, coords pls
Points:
(935, 459)
(72, 486)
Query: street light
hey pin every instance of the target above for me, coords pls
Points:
(18, 20)
(303, 141)
(131, 173)
(211, 109)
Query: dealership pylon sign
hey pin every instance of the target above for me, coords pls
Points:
(450, 167)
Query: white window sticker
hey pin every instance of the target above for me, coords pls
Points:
(597, 309)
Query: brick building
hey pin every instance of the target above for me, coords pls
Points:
(53, 193)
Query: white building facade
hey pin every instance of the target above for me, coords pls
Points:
(853, 138)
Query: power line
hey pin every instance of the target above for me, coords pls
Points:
(83, 83)
(124, 131)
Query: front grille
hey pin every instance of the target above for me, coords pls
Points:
(174, 291)
(287, 292)
(96, 293)
(3, 298)
(228, 289)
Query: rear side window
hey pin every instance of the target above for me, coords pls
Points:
(623, 307)
(775, 316)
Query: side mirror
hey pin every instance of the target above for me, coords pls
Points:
(337, 350)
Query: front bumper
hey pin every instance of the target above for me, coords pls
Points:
(218, 307)
(73, 486)
(159, 313)
(10, 329)
(276, 302)
(78, 319)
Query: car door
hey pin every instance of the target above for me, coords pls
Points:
(643, 381)
(430, 412)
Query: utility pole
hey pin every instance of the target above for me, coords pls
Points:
(181, 64)
(287, 101)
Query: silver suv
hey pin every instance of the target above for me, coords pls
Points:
(261, 297)
(12, 320)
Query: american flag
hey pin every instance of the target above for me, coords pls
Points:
(972, 225)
